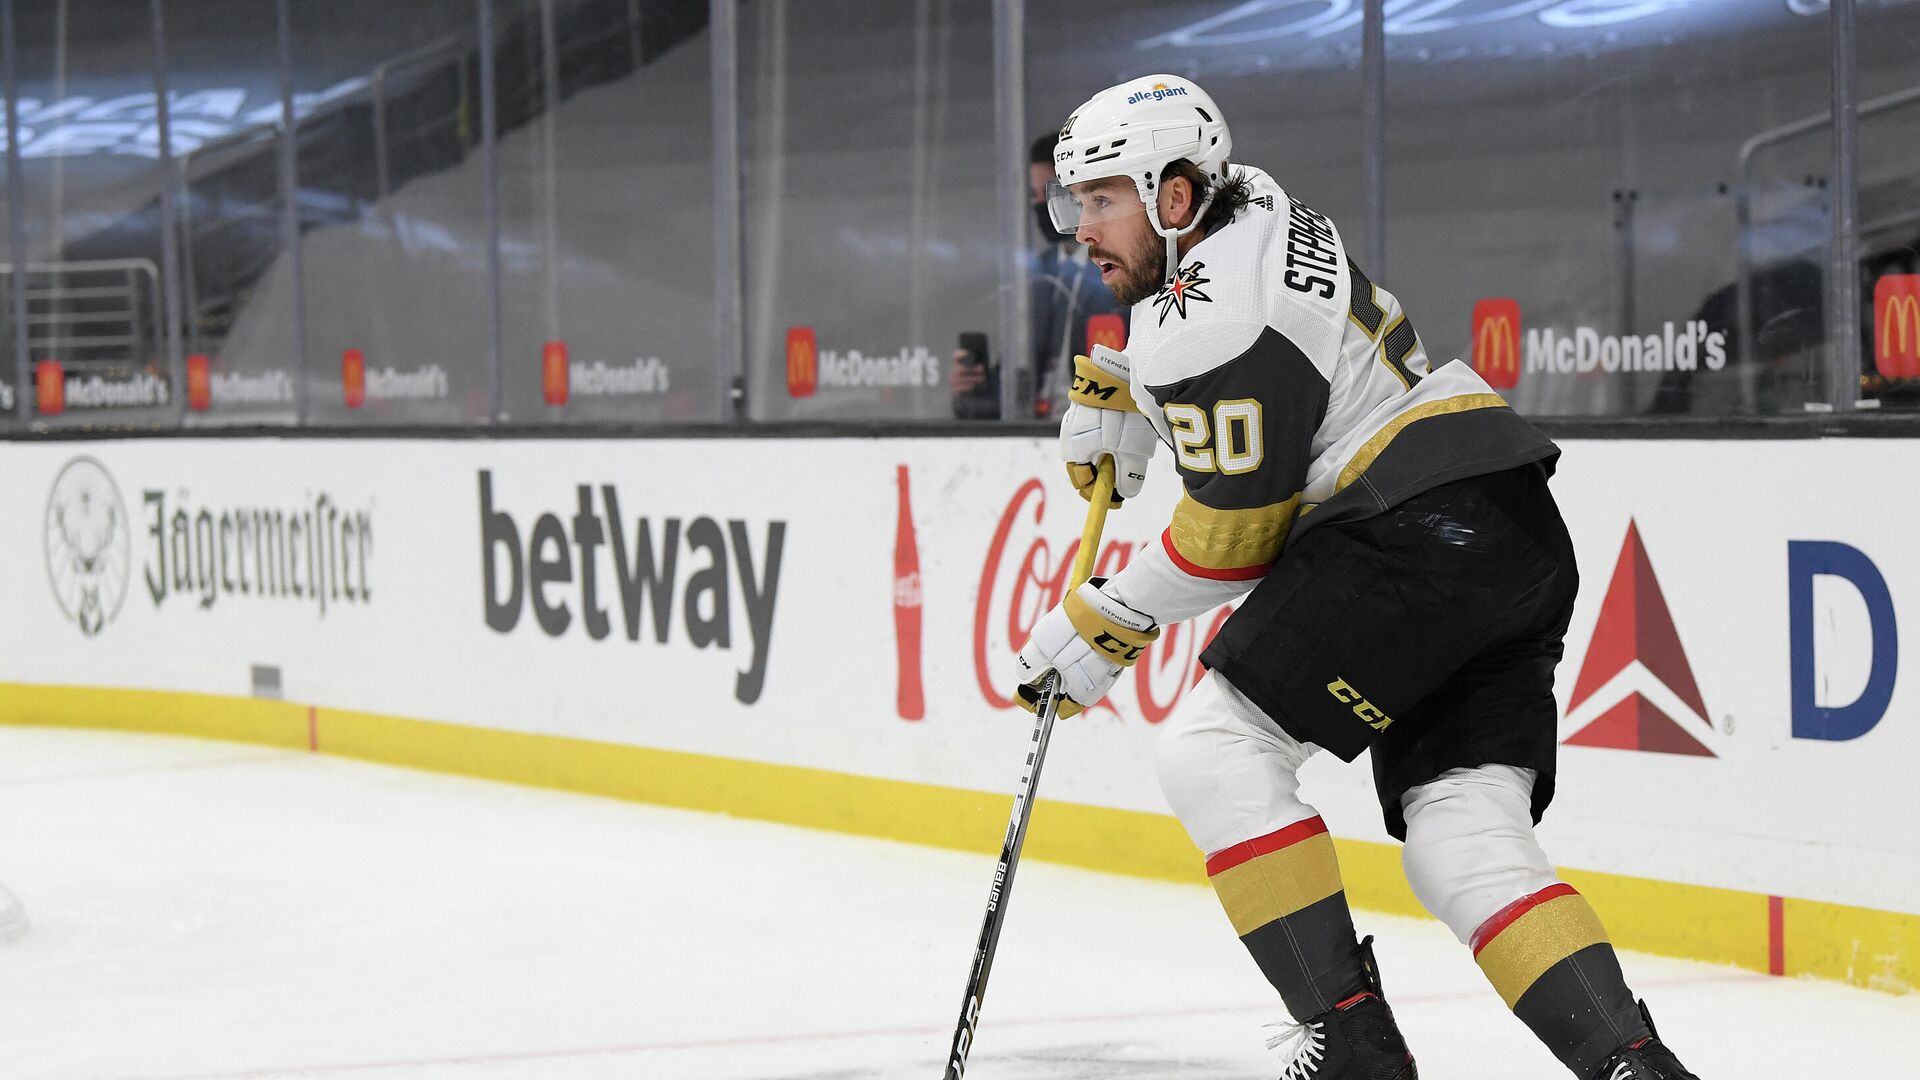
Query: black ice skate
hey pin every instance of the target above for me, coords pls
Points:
(1644, 1059)
(1355, 1040)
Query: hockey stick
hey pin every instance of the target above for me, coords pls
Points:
(1043, 715)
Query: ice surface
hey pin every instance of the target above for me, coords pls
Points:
(206, 910)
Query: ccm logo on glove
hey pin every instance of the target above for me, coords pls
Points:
(1089, 638)
(1103, 421)
(1088, 390)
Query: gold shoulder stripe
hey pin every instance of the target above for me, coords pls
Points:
(1230, 539)
(1363, 458)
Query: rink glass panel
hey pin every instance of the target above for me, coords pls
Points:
(1558, 171)
(868, 188)
(1585, 169)
(1889, 185)
(606, 212)
(91, 225)
(225, 112)
(394, 251)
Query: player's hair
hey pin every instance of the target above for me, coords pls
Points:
(1228, 198)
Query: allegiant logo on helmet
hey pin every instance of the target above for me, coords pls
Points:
(1160, 92)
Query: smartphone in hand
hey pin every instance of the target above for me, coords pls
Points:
(975, 395)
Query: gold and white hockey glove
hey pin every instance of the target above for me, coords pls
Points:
(1102, 421)
(1089, 638)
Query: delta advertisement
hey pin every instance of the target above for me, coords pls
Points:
(1737, 702)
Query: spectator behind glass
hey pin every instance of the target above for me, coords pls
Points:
(1064, 291)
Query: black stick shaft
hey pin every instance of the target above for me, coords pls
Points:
(1043, 716)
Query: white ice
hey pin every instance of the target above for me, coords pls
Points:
(207, 910)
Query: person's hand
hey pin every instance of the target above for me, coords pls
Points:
(1102, 421)
(965, 377)
(1090, 639)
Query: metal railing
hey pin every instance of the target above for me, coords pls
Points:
(240, 222)
(1743, 198)
(450, 45)
(100, 315)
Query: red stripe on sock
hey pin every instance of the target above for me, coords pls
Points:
(1776, 936)
(1508, 915)
(1228, 858)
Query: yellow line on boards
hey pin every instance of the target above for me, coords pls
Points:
(1863, 947)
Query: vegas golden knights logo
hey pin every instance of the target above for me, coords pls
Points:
(803, 362)
(1496, 342)
(1896, 323)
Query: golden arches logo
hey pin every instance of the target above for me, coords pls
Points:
(1107, 329)
(1896, 319)
(1496, 342)
(803, 362)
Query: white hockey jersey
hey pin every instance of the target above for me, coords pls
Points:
(1293, 392)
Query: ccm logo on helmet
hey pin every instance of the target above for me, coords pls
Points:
(1160, 92)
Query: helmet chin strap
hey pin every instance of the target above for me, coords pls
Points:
(1173, 235)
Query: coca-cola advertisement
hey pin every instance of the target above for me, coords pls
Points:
(1023, 573)
(911, 700)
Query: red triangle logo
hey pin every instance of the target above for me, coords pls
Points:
(1636, 625)
(1638, 724)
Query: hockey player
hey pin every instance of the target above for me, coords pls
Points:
(1410, 577)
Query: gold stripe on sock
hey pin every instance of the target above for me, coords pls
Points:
(1279, 883)
(1537, 940)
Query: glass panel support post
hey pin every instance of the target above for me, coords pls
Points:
(1010, 157)
(490, 156)
(169, 215)
(16, 220)
(1373, 152)
(724, 32)
(290, 208)
(1843, 274)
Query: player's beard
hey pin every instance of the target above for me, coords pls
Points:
(1142, 270)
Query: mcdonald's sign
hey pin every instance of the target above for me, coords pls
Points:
(199, 382)
(1109, 330)
(1896, 326)
(50, 387)
(1496, 342)
(803, 362)
(554, 382)
(353, 378)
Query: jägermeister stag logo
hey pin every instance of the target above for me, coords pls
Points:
(89, 546)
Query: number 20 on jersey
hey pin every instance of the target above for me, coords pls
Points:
(1230, 445)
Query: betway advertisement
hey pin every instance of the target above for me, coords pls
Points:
(1737, 698)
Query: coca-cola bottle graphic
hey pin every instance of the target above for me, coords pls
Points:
(912, 700)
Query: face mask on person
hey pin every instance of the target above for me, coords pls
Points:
(1043, 220)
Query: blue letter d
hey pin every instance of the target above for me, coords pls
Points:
(1805, 559)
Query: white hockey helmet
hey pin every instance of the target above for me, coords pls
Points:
(1136, 129)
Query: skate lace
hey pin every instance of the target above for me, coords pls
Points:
(1624, 1071)
(1306, 1047)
